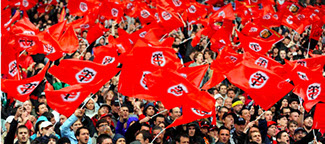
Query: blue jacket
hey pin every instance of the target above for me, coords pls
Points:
(67, 132)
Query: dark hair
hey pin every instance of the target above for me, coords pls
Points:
(284, 108)
(101, 121)
(156, 128)
(63, 140)
(196, 55)
(241, 111)
(221, 86)
(294, 99)
(22, 127)
(223, 128)
(178, 137)
(210, 52)
(102, 137)
(146, 135)
(145, 124)
(292, 122)
(159, 115)
(278, 136)
(231, 90)
(294, 110)
(37, 107)
(48, 115)
(79, 129)
(250, 134)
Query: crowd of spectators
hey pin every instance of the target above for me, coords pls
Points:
(110, 118)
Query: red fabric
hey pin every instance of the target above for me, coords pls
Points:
(194, 74)
(261, 31)
(296, 22)
(112, 10)
(177, 5)
(225, 12)
(57, 30)
(20, 89)
(319, 119)
(81, 7)
(106, 55)
(50, 47)
(168, 19)
(311, 91)
(311, 62)
(301, 74)
(9, 62)
(66, 100)
(6, 20)
(80, 71)
(316, 31)
(259, 83)
(173, 90)
(133, 79)
(194, 11)
(270, 20)
(26, 42)
(255, 45)
(69, 41)
(192, 113)
(95, 32)
(24, 26)
(145, 13)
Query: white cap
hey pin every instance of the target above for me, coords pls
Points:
(218, 96)
(9, 119)
(45, 124)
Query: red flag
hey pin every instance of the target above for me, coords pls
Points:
(168, 19)
(145, 13)
(24, 26)
(173, 90)
(157, 57)
(84, 23)
(62, 15)
(316, 31)
(194, 74)
(66, 100)
(177, 5)
(26, 42)
(190, 113)
(195, 11)
(300, 74)
(81, 7)
(6, 21)
(296, 22)
(319, 119)
(106, 55)
(133, 79)
(69, 41)
(27, 4)
(311, 62)
(80, 71)
(112, 10)
(255, 45)
(261, 31)
(20, 89)
(269, 20)
(265, 87)
(225, 12)
(50, 47)
(57, 30)
(311, 92)
(95, 32)
(9, 65)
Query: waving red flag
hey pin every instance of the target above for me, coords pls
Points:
(145, 13)
(66, 100)
(265, 87)
(301, 74)
(95, 32)
(168, 19)
(157, 57)
(269, 19)
(9, 65)
(26, 4)
(106, 55)
(80, 71)
(316, 31)
(49, 46)
(6, 21)
(20, 89)
(25, 26)
(319, 119)
(261, 31)
(296, 22)
(194, 74)
(311, 92)
(133, 80)
(177, 5)
(81, 7)
(84, 23)
(255, 45)
(57, 30)
(195, 11)
(225, 12)
(190, 113)
(173, 90)
(69, 41)
(26, 42)
(112, 10)
(311, 62)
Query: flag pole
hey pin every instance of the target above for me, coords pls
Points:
(163, 37)
(158, 135)
(158, 113)
(22, 52)
(181, 19)
(256, 120)
(308, 42)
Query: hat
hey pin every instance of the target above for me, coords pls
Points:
(104, 104)
(45, 124)
(230, 113)
(116, 101)
(9, 119)
(204, 124)
(300, 129)
(41, 118)
(269, 123)
(213, 127)
(240, 121)
(308, 115)
(148, 105)
(216, 96)
(116, 137)
(106, 115)
(236, 101)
